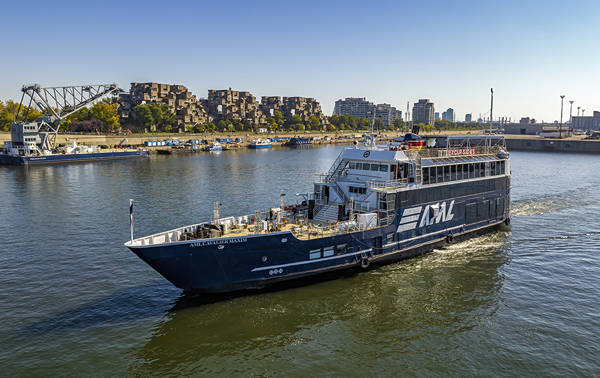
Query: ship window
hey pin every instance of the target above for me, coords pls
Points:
(446, 173)
(357, 190)
(328, 251)
(425, 175)
(392, 168)
(315, 254)
(453, 173)
(459, 172)
(389, 238)
(383, 168)
(340, 249)
(432, 177)
(352, 165)
(493, 168)
(471, 170)
(374, 167)
(440, 174)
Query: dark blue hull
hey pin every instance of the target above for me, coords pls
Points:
(298, 142)
(259, 261)
(70, 158)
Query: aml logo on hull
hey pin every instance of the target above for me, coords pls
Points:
(431, 214)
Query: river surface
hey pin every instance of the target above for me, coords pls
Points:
(75, 301)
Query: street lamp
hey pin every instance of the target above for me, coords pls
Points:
(562, 97)
(571, 114)
(579, 107)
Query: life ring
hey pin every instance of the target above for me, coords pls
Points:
(507, 221)
(364, 262)
(450, 239)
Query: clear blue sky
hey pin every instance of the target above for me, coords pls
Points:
(449, 51)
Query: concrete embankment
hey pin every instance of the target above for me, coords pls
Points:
(553, 145)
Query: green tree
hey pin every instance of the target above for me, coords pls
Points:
(278, 116)
(143, 115)
(314, 123)
(106, 113)
(154, 115)
(8, 112)
(399, 124)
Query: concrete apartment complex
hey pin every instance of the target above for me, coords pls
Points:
(360, 107)
(225, 104)
(354, 106)
(387, 113)
(423, 112)
(187, 108)
(448, 115)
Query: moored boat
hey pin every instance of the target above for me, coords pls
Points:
(213, 147)
(261, 143)
(297, 142)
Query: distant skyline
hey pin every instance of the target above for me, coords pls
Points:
(451, 52)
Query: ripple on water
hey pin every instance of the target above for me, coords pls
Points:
(75, 301)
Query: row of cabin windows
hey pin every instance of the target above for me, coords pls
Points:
(445, 192)
(358, 190)
(327, 251)
(370, 166)
(433, 175)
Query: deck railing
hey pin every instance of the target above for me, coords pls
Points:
(387, 184)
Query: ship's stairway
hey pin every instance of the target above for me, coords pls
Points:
(418, 170)
(336, 168)
(328, 213)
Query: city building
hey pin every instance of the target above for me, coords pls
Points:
(225, 104)
(187, 108)
(304, 107)
(586, 123)
(448, 115)
(436, 116)
(423, 112)
(468, 117)
(360, 107)
(526, 120)
(354, 106)
(387, 113)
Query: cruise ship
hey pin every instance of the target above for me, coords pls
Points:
(375, 205)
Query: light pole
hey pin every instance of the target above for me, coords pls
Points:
(579, 107)
(571, 115)
(562, 97)
(582, 112)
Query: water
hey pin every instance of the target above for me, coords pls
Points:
(74, 301)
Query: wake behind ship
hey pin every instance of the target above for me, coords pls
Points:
(375, 205)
